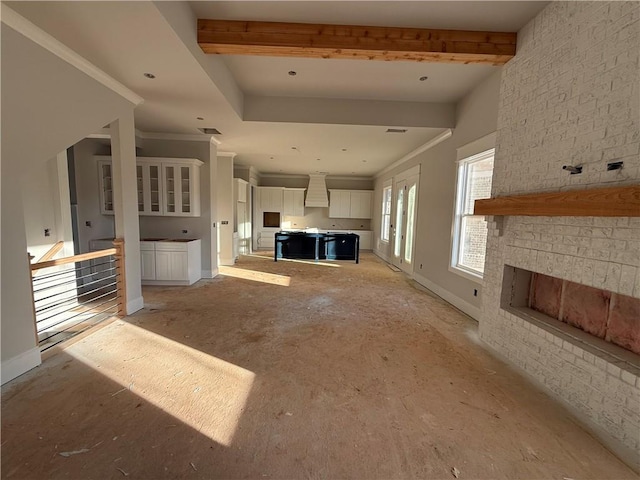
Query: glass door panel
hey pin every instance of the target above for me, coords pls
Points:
(154, 188)
(185, 179)
(170, 188)
(408, 238)
(140, 187)
(397, 242)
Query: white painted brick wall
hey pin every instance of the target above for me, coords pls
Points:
(570, 96)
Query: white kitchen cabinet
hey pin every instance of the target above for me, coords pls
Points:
(170, 262)
(366, 239)
(149, 183)
(171, 265)
(270, 199)
(350, 203)
(360, 206)
(105, 178)
(293, 202)
(182, 190)
(339, 204)
(165, 186)
(148, 260)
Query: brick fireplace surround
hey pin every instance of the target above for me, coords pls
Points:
(570, 97)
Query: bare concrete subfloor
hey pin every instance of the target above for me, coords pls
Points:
(297, 370)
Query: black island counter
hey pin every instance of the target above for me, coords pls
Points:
(317, 246)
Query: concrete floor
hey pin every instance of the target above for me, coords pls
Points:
(290, 370)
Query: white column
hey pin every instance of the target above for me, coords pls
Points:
(225, 208)
(213, 205)
(125, 204)
(20, 351)
(62, 206)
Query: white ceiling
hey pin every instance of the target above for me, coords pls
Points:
(126, 39)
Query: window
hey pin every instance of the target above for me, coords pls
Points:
(386, 214)
(470, 231)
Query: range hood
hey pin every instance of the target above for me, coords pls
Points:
(317, 192)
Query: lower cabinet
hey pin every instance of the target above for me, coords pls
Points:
(148, 262)
(170, 262)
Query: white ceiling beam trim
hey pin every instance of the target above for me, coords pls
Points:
(422, 148)
(337, 111)
(182, 20)
(23, 26)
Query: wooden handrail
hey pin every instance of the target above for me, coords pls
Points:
(598, 202)
(76, 258)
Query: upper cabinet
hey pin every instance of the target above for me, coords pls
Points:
(105, 178)
(293, 202)
(165, 186)
(270, 199)
(350, 203)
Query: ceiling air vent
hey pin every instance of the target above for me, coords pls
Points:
(210, 131)
(396, 130)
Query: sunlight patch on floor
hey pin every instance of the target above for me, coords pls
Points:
(310, 262)
(255, 276)
(197, 389)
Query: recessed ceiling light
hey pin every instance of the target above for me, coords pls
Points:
(422, 79)
(396, 130)
(199, 118)
(149, 75)
(344, 149)
(270, 158)
(293, 73)
(318, 159)
(364, 161)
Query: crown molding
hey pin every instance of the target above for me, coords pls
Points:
(422, 148)
(105, 133)
(184, 137)
(23, 26)
(227, 154)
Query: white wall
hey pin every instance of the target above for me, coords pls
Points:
(476, 117)
(47, 105)
(571, 96)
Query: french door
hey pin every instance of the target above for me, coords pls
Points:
(404, 227)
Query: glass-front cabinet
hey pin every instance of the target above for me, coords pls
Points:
(106, 187)
(164, 186)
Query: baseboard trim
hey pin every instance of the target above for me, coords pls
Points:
(460, 304)
(22, 363)
(207, 274)
(134, 305)
(382, 256)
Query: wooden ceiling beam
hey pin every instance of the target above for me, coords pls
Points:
(233, 37)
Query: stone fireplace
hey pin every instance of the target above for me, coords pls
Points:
(570, 97)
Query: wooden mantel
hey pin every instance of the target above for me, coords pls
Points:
(598, 202)
(278, 39)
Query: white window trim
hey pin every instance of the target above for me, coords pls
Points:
(461, 180)
(385, 185)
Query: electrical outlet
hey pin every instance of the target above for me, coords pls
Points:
(420, 266)
(47, 232)
(475, 292)
(185, 231)
(87, 223)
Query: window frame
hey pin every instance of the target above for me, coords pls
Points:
(458, 214)
(388, 186)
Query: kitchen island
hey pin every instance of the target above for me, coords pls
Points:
(317, 246)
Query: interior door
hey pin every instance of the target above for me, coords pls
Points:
(404, 228)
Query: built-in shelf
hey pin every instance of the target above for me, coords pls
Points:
(600, 202)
